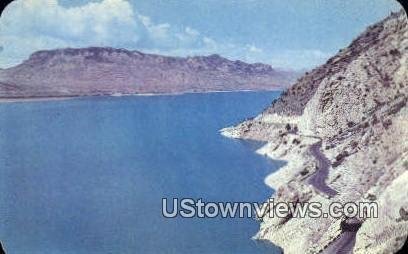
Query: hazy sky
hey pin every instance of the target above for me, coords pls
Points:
(285, 33)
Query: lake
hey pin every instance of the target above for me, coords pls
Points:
(88, 175)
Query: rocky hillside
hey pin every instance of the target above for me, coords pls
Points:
(96, 71)
(350, 114)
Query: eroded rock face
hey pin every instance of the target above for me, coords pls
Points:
(96, 71)
(356, 105)
(1, 249)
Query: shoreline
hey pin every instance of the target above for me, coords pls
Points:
(70, 97)
(291, 182)
(306, 153)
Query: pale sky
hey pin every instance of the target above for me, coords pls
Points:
(293, 34)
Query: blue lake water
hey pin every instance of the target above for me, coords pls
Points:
(88, 175)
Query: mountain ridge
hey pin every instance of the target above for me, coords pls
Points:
(104, 71)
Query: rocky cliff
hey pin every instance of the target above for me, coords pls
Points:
(99, 71)
(343, 128)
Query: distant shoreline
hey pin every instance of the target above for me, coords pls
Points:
(69, 97)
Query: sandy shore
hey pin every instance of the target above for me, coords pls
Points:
(31, 99)
(56, 98)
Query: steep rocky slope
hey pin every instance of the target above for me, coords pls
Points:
(351, 112)
(95, 71)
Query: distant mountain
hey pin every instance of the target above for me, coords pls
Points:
(102, 71)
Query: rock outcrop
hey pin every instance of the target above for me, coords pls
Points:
(105, 71)
(1, 249)
(355, 105)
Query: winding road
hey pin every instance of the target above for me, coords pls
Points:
(345, 243)
(349, 227)
(318, 179)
